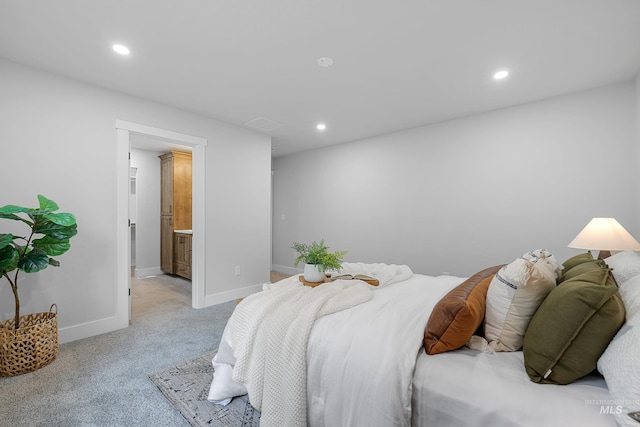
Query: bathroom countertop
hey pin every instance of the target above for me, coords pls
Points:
(183, 231)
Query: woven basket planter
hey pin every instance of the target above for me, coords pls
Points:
(32, 346)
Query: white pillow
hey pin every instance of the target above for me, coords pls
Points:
(620, 362)
(223, 388)
(625, 265)
(630, 293)
(514, 295)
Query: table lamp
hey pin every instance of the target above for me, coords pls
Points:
(605, 235)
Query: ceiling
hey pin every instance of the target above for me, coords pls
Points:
(397, 64)
(150, 143)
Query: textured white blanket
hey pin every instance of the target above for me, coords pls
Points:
(269, 331)
(385, 273)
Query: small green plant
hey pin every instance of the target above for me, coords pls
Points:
(28, 253)
(317, 253)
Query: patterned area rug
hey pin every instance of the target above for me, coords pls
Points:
(186, 386)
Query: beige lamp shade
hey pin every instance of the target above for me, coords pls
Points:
(605, 234)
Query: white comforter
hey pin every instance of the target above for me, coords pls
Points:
(263, 350)
(466, 387)
(265, 341)
(361, 361)
(271, 350)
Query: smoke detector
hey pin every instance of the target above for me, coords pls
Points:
(325, 62)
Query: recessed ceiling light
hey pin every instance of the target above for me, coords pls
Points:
(325, 62)
(122, 50)
(321, 126)
(501, 74)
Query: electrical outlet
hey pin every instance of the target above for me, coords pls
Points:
(237, 270)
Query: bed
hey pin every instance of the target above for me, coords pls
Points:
(363, 361)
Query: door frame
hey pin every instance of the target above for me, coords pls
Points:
(123, 245)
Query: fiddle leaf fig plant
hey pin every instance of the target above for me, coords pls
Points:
(48, 235)
(319, 255)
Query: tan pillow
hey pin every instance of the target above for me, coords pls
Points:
(457, 316)
(514, 296)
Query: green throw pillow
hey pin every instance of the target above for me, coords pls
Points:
(571, 330)
(594, 271)
(577, 260)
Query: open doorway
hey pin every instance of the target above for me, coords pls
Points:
(136, 135)
(159, 171)
(153, 198)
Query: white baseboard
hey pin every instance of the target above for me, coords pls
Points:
(102, 326)
(145, 272)
(89, 329)
(234, 294)
(286, 270)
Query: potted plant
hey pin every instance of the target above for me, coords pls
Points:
(29, 342)
(317, 259)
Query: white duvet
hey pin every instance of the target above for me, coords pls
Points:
(470, 388)
(264, 346)
(360, 362)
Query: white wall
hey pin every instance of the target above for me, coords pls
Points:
(58, 138)
(465, 194)
(148, 221)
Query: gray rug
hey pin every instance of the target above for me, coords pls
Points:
(186, 386)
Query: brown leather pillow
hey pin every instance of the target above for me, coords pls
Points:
(457, 316)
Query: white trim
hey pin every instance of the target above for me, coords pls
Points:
(221, 297)
(198, 246)
(123, 232)
(89, 329)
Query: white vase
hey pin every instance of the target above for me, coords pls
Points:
(311, 273)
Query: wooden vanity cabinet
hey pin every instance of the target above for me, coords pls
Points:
(182, 255)
(175, 203)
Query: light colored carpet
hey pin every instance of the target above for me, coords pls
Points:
(103, 380)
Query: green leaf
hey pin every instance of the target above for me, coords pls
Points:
(46, 204)
(9, 258)
(10, 211)
(33, 261)
(10, 216)
(54, 263)
(57, 231)
(51, 246)
(5, 240)
(61, 218)
(13, 209)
